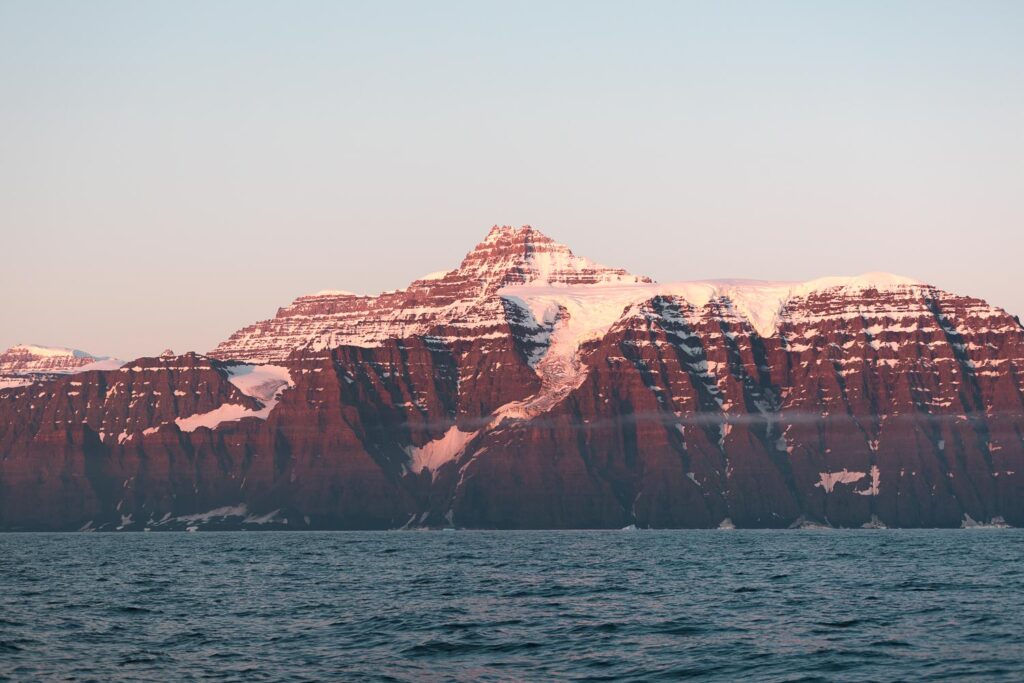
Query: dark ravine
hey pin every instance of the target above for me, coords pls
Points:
(462, 401)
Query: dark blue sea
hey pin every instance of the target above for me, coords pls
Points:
(802, 605)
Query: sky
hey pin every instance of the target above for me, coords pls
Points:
(172, 171)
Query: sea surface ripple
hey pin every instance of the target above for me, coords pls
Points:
(478, 605)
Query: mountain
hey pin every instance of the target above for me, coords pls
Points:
(27, 363)
(531, 388)
(465, 300)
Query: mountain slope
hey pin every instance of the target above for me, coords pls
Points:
(533, 388)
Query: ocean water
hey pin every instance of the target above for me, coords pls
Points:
(475, 605)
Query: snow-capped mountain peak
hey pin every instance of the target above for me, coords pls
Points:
(523, 268)
(525, 255)
(465, 299)
(25, 363)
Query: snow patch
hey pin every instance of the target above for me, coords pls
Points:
(265, 383)
(49, 351)
(434, 454)
(104, 364)
(262, 382)
(434, 276)
(759, 301)
(828, 480)
(228, 412)
(573, 314)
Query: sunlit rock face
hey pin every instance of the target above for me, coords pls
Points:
(530, 387)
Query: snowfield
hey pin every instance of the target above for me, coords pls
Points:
(265, 383)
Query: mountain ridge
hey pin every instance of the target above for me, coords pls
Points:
(26, 363)
(531, 388)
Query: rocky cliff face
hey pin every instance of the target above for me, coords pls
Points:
(532, 388)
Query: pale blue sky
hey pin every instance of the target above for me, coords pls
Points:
(170, 171)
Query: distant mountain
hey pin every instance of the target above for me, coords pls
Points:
(530, 387)
(27, 363)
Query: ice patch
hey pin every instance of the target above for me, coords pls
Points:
(434, 454)
(103, 364)
(575, 314)
(265, 383)
(229, 412)
(262, 382)
(759, 301)
(828, 480)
